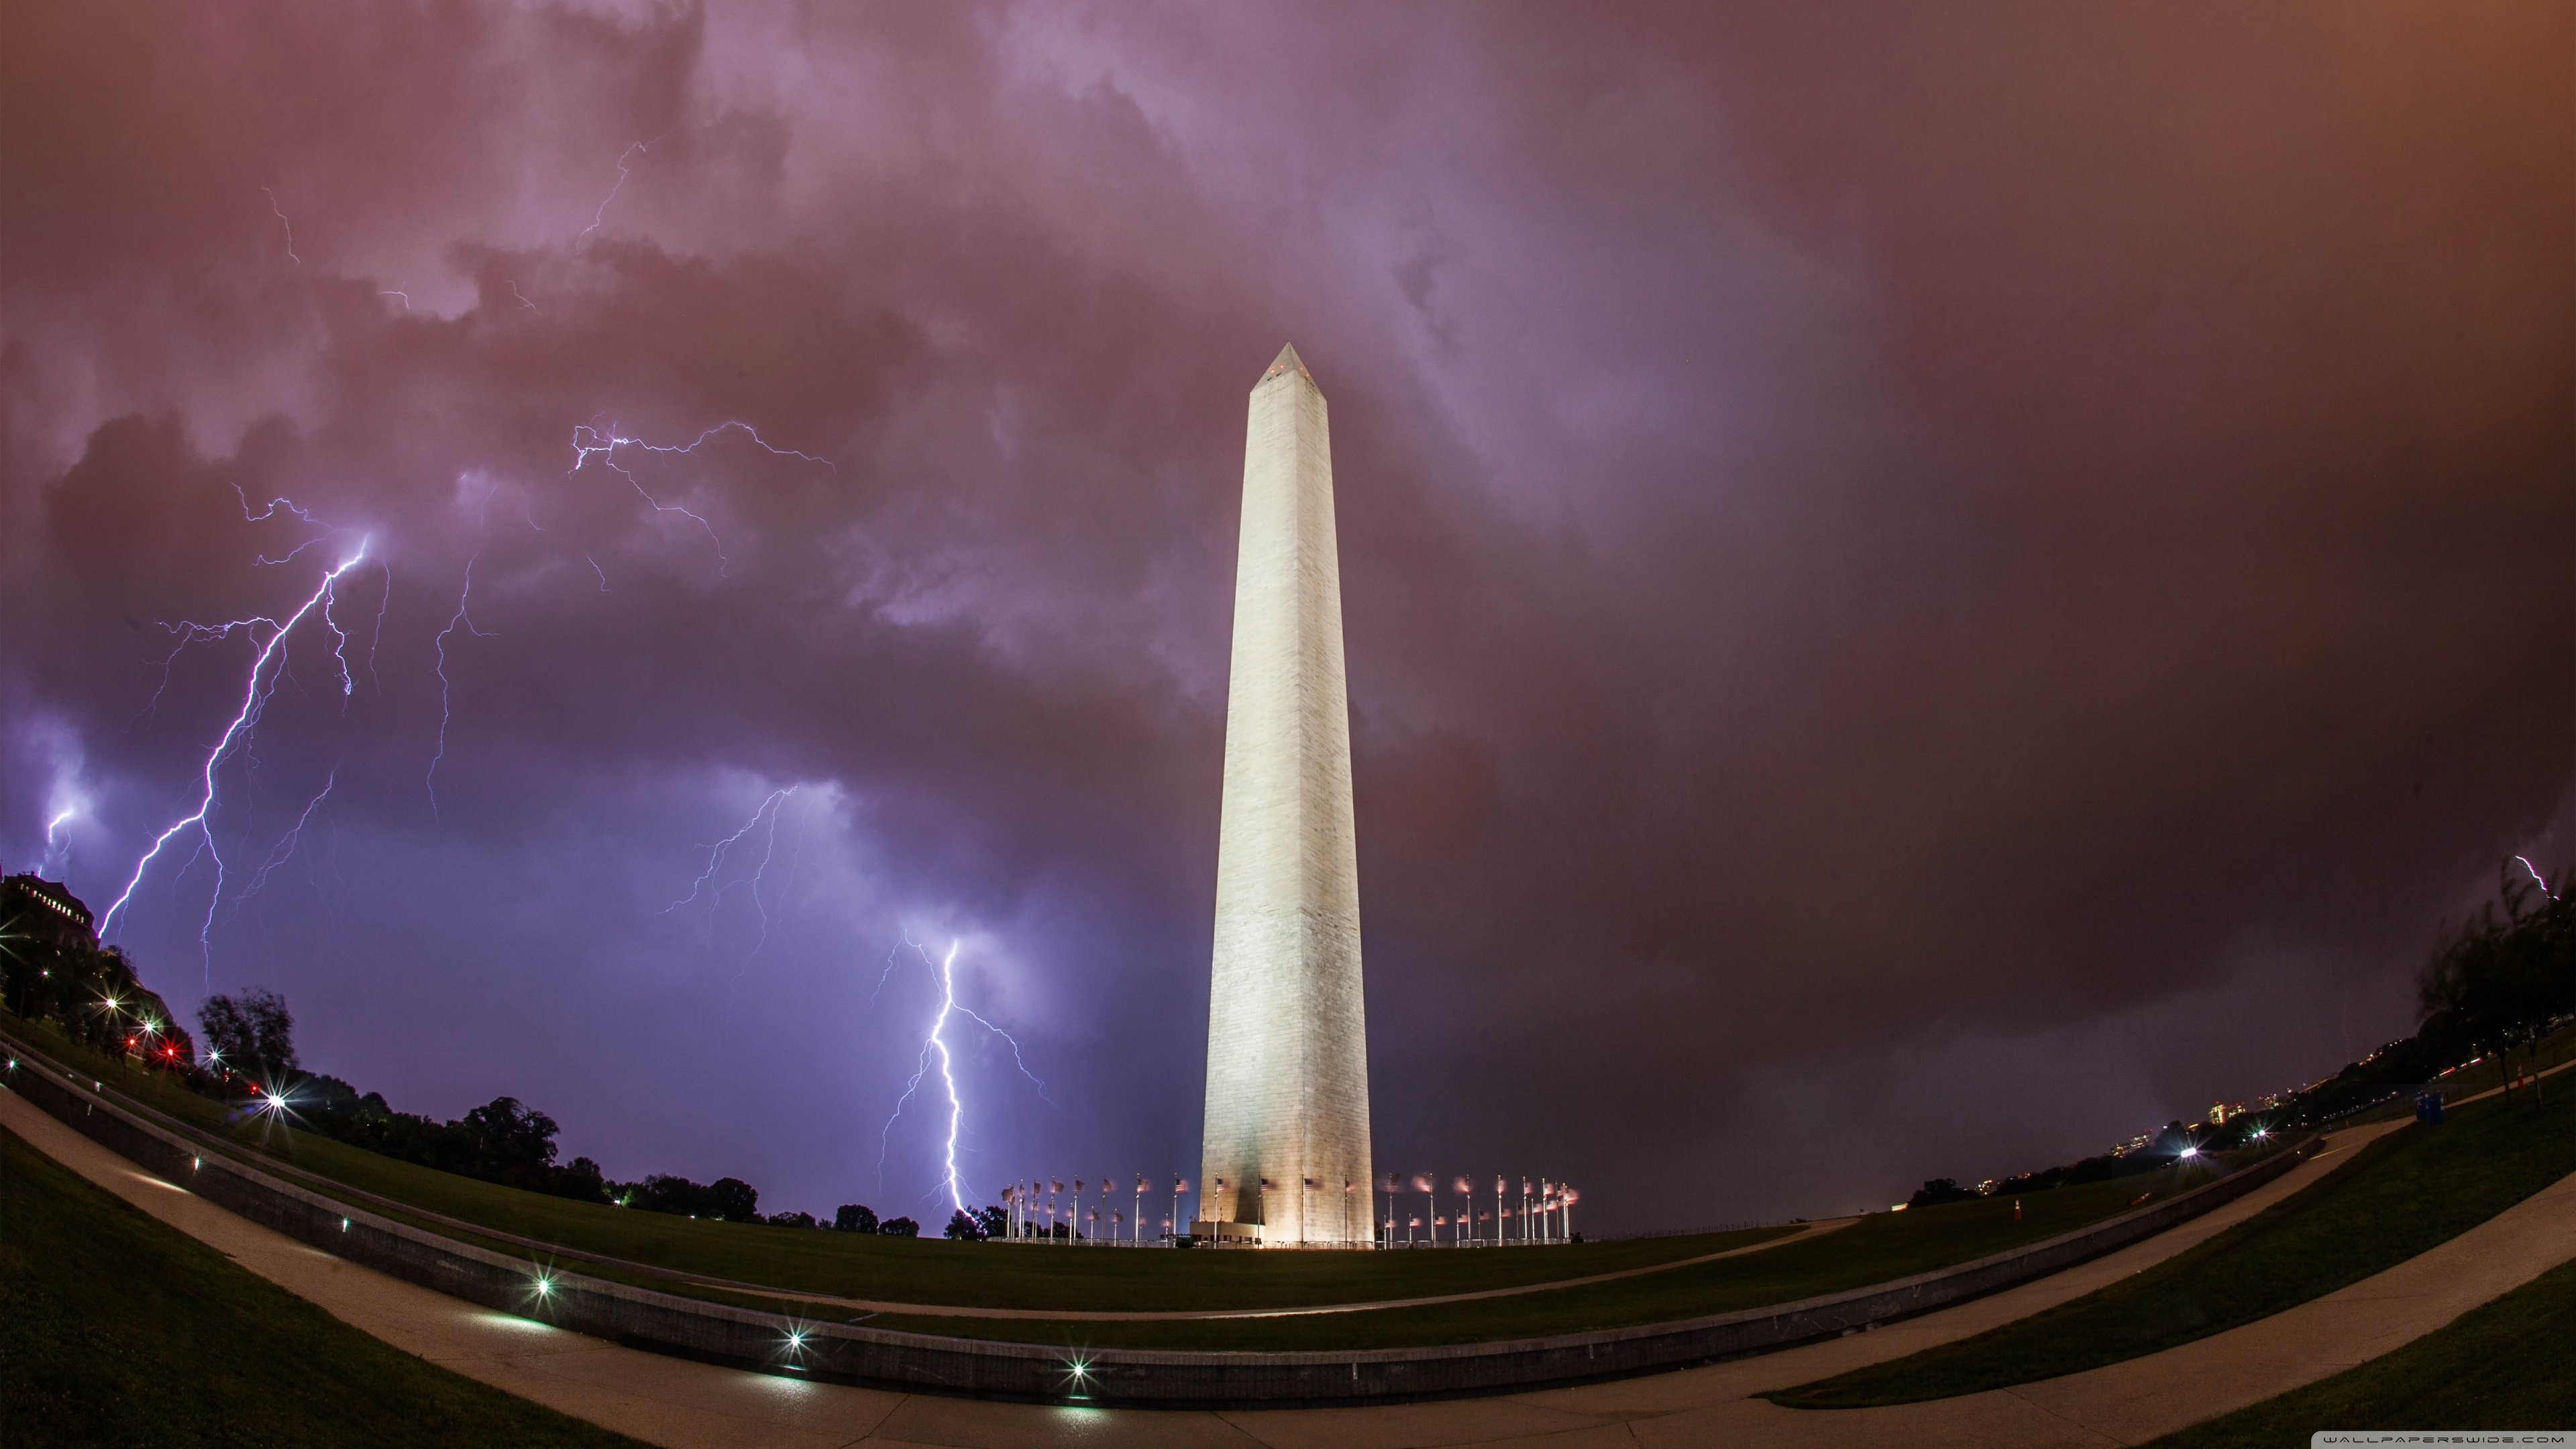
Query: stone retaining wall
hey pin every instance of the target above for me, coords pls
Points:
(694, 1328)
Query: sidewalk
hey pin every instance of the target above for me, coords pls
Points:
(685, 1405)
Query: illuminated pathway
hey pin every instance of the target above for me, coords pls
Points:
(682, 1404)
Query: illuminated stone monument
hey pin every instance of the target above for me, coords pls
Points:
(1285, 1158)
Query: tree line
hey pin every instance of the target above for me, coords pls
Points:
(2496, 984)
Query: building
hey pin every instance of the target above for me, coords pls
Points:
(1285, 1156)
(48, 912)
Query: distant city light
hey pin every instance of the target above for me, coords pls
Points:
(2191, 1152)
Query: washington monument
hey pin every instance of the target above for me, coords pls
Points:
(1287, 1144)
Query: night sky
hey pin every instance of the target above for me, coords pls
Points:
(1927, 587)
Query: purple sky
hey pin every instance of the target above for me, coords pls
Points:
(1927, 588)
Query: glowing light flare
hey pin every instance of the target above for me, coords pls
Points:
(254, 695)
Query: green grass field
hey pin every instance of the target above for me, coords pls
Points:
(116, 1330)
(1032, 1276)
(1878, 1248)
(2500, 1367)
(931, 1271)
(2409, 1191)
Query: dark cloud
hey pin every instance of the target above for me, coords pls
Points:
(1923, 590)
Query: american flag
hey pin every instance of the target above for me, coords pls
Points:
(1266, 1185)
(1422, 1182)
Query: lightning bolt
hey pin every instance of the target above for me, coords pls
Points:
(245, 719)
(282, 221)
(522, 296)
(287, 843)
(2536, 878)
(54, 850)
(602, 214)
(390, 292)
(589, 442)
(460, 619)
(378, 636)
(715, 853)
(935, 1043)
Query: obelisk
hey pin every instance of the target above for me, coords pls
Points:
(1287, 1125)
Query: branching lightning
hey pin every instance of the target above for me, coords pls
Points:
(522, 296)
(255, 693)
(715, 854)
(589, 442)
(294, 837)
(935, 1042)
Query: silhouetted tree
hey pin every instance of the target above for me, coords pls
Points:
(855, 1217)
(899, 1228)
(2501, 978)
(254, 1031)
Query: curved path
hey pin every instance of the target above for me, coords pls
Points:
(684, 1404)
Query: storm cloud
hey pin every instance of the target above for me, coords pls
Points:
(1926, 588)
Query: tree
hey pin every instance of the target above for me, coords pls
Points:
(1938, 1191)
(855, 1217)
(734, 1200)
(992, 1222)
(962, 1228)
(254, 1032)
(899, 1228)
(2500, 978)
(506, 1136)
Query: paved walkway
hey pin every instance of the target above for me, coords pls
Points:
(686, 1405)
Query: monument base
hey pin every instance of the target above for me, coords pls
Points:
(1224, 1234)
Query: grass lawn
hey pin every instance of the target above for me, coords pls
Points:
(1878, 1248)
(118, 1330)
(1004, 1275)
(2490, 1369)
(930, 1270)
(2411, 1190)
